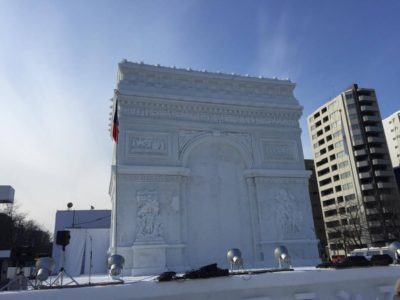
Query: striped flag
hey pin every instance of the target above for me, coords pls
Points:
(115, 125)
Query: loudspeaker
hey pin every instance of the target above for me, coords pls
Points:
(63, 237)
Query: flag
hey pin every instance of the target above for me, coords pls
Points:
(115, 130)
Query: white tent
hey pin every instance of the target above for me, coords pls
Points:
(87, 246)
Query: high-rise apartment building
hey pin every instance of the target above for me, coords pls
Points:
(356, 184)
(392, 131)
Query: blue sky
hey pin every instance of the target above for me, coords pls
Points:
(58, 63)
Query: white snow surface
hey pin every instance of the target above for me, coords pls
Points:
(303, 283)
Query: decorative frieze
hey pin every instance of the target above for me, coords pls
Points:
(219, 114)
(149, 178)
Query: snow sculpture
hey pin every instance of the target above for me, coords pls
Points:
(207, 162)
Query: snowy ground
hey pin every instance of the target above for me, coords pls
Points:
(303, 283)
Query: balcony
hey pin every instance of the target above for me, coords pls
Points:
(386, 197)
(373, 129)
(380, 173)
(363, 98)
(377, 162)
(375, 150)
(329, 207)
(330, 218)
(373, 139)
(371, 211)
(371, 119)
(364, 175)
(369, 199)
(360, 152)
(366, 187)
(385, 185)
(361, 164)
(368, 108)
(374, 223)
(358, 142)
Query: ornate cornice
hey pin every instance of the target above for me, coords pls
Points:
(277, 173)
(157, 81)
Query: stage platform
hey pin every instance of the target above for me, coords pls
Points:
(302, 283)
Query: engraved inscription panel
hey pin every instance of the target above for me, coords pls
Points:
(149, 144)
(279, 150)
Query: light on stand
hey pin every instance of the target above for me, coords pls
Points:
(115, 265)
(44, 266)
(395, 249)
(282, 255)
(234, 257)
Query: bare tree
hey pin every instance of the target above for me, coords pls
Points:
(350, 230)
(364, 224)
(19, 231)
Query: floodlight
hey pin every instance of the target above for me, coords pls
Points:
(395, 249)
(234, 257)
(115, 265)
(44, 266)
(282, 255)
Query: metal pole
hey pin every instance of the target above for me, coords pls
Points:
(91, 258)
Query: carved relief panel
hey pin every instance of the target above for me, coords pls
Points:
(149, 225)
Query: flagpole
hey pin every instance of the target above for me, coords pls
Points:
(116, 190)
(115, 133)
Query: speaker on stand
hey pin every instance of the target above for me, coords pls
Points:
(62, 239)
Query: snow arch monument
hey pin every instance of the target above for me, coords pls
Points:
(207, 162)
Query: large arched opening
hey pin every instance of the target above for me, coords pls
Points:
(217, 205)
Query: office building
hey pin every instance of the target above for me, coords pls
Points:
(356, 183)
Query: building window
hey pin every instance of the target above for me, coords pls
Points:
(337, 134)
(347, 186)
(353, 116)
(343, 164)
(350, 106)
(345, 175)
(340, 154)
(339, 144)
(349, 197)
